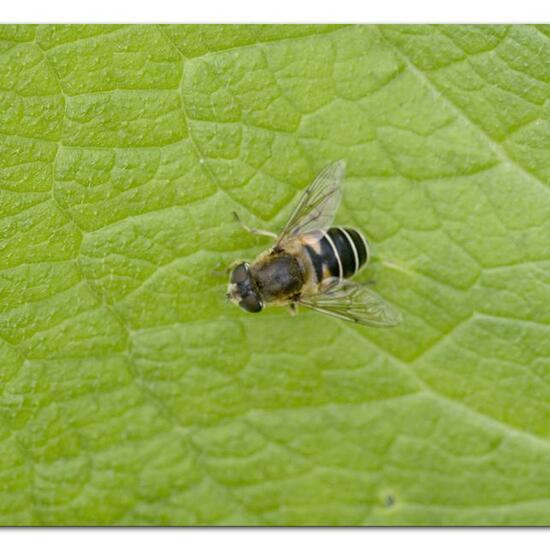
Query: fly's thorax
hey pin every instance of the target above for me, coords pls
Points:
(279, 276)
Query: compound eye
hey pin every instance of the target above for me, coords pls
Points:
(240, 274)
(251, 304)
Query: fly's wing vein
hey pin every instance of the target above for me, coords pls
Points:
(354, 302)
(318, 204)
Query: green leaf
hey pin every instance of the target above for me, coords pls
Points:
(132, 393)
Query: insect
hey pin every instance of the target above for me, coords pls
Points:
(310, 262)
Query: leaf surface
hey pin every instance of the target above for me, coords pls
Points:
(132, 393)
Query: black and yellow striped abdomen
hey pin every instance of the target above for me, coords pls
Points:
(339, 252)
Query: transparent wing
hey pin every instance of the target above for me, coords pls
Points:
(318, 204)
(356, 303)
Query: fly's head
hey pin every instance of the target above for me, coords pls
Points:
(242, 289)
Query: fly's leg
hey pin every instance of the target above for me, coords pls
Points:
(293, 305)
(252, 230)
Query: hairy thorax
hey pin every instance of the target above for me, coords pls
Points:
(279, 276)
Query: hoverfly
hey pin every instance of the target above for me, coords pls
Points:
(310, 262)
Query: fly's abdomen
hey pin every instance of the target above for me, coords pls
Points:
(339, 252)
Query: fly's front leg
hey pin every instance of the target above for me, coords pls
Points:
(252, 230)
